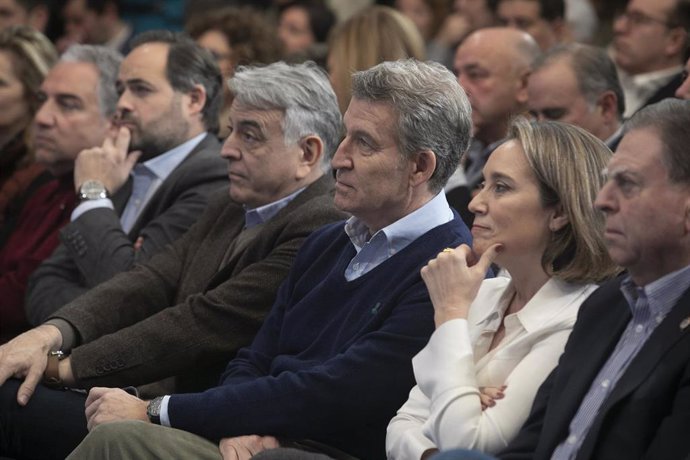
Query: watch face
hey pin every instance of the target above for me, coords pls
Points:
(92, 190)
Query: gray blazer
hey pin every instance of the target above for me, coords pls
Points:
(181, 314)
(94, 247)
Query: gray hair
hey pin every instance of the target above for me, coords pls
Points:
(432, 110)
(107, 61)
(594, 70)
(302, 92)
(670, 118)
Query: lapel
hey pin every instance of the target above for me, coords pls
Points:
(596, 334)
(175, 175)
(665, 336)
(319, 187)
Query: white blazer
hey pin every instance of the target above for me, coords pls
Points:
(444, 410)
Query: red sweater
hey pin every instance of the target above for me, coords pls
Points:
(33, 239)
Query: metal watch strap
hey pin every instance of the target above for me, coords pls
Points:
(51, 376)
(153, 410)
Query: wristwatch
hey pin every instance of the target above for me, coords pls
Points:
(153, 410)
(92, 190)
(51, 376)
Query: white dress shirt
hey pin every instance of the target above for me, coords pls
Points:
(444, 410)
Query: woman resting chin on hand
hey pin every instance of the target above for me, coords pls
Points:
(497, 339)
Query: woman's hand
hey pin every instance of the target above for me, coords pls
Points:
(489, 395)
(453, 279)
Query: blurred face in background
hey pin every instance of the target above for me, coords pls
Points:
(294, 30)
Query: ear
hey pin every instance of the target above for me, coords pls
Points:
(677, 39)
(521, 94)
(423, 167)
(608, 104)
(196, 100)
(558, 219)
(310, 155)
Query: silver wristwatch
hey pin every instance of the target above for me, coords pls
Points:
(92, 190)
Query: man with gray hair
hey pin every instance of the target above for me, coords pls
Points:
(332, 361)
(77, 99)
(189, 309)
(149, 180)
(578, 84)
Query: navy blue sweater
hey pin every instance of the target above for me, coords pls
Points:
(332, 361)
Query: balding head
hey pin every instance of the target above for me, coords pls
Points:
(492, 65)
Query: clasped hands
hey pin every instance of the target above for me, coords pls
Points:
(109, 164)
(453, 279)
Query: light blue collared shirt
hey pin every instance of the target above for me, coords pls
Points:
(649, 305)
(256, 216)
(146, 178)
(371, 252)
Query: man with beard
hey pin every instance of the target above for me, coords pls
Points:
(149, 181)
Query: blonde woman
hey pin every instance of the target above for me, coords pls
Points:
(375, 35)
(496, 340)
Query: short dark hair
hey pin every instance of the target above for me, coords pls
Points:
(549, 10)
(188, 65)
(670, 118)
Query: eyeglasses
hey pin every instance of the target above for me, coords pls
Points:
(636, 18)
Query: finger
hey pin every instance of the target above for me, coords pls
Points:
(122, 140)
(132, 158)
(269, 442)
(28, 386)
(486, 400)
(95, 393)
(489, 256)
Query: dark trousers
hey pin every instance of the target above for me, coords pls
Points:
(50, 426)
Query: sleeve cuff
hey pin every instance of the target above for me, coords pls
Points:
(69, 335)
(89, 205)
(165, 418)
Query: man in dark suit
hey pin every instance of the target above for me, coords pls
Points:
(622, 386)
(186, 311)
(159, 168)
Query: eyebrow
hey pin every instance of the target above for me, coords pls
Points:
(500, 176)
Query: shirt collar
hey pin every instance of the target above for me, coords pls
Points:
(256, 216)
(656, 79)
(662, 294)
(405, 230)
(162, 165)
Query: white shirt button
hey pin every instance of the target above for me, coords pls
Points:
(605, 383)
(572, 439)
(639, 328)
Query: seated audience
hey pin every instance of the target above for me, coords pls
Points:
(620, 389)
(375, 35)
(149, 181)
(544, 20)
(235, 37)
(428, 16)
(74, 105)
(188, 310)
(578, 84)
(650, 38)
(532, 218)
(331, 362)
(495, 78)
(25, 58)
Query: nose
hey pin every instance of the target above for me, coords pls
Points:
(342, 159)
(230, 151)
(45, 115)
(620, 23)
(604, 201)
(477, 203)
(124, 103)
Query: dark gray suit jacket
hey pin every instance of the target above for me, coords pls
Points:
(94, 247)
(647, 415)
(180, 314)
